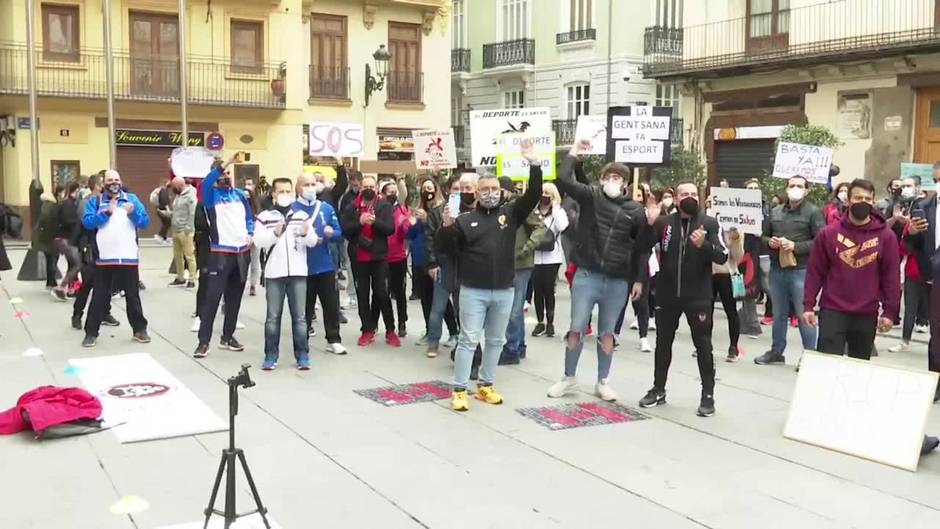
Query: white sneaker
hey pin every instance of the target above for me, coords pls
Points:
(902, 346)
(603, 391)
(239, 324)
(563, 387)
(645, 346)
(921, 329)
(635, 325)
(195, 327)
(336, 348)
(157, 237)
(652, 326)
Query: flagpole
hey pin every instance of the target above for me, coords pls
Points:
(184, 120)
(31, 79)
(109, 79)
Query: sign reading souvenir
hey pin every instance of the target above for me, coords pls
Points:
(336, 139)
(191, 162)
(156, 138)
(510, 161)
(639, 135)
(215, 141)
(738, 208)
(435, 149)
(592, 129)
(809, 161)
(487, 126)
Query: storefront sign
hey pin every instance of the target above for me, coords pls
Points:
(739, 208)
(486, 126)
(748, 133)
(156, 138)
(809, 161)
(510, 161)
(336, 139)
(435, 149)
(639, 134)
(592, 129)
(396, 144)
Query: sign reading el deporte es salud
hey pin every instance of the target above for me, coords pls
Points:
(156, 138)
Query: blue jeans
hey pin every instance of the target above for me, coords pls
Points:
(610, 296)
(515, 331)
(786, 290)
(295, 289)
(438, 307)
(484, 314)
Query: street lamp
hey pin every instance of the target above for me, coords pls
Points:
(381, 57)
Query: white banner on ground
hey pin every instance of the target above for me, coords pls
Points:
(336, 139)
(191, 162)
(435, 149)
(253, 521)
(739, 208)
(486, 127)
(143, 399)
(861, 408)
(594, 130)
(809, 161)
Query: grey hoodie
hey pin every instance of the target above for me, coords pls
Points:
(184, 210)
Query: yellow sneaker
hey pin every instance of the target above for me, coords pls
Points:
(459, 401)
(488, 394)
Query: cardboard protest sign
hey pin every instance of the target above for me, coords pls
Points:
(511, 163)
(486, 127)
(593, 129)
(336, 139)
(809, 161)
(191, 162)
(639, 135)
(435, 149)
(738, 208)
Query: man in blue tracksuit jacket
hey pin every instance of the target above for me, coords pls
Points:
(231, 228)
(321, 265)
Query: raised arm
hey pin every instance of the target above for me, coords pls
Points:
(342, 180)
(576, 186)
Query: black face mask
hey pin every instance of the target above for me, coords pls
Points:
(429, 196)
(896, 192)
(114, 188)
(545, 201)
(367, 194)
(392, 199)
(689, 206)
(467, 199)
(860, 210)
(225, 182)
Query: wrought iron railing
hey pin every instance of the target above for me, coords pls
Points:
(675, 131)
(854, 29)
(564, 131)
(521, 51)
(329, 82)
(460, 60)
(460, 136)
(576, 36)
(212, 81)
(405, 86)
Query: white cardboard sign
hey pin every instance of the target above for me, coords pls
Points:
(809, 161)
(336, 139)
(594, 130)
(435, 149)
(633, 151)
(739, 208)
(861, 408)
(487, 126)
(191, 162)
(510, 161)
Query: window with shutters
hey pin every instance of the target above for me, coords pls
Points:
(329, 75)
(247, 46)
(458, 31)
(579, 15)
(514, 99)
(60, 33)
(668, 96)
(579, 100)
(768, 25)
(404, 72)
(514, 20)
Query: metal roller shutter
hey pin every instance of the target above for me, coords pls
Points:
(142, 169)
(740, 160)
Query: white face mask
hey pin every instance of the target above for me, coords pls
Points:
(284, 200)
(843, 195)
(319, 187)
(667, 202)
(309, 193)
(795, 193)
(489, 199)
(613, 189)
(908, 192)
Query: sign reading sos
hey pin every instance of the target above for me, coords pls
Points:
(336, 139)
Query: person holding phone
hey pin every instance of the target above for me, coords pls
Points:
(442, 270)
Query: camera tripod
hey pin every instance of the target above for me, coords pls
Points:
(227, 464)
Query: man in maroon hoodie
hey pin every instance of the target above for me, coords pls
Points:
(856, 264)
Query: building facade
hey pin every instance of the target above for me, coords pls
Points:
(572, 56)
(258, 73)
(869, 70)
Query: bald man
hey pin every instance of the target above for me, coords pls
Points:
(183, 220)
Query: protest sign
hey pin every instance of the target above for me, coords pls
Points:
(639, 135)
(923, 172)
(809, 161)
(435, 149)
(486, 127)
(593, 129)
(738, 208)
(336, 139)
(511, 163)
(191, 162)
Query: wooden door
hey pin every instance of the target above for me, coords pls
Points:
(143, 169)
(155, 54)
(927, 126)
(404, 43)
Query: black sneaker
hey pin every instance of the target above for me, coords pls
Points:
(706, 407)
(414, 297)
(190, 284)
(141, 337)
(474, 372)
(231, 344)
(77, 323)
(177, 283)
(58, 295)
(770, 358)
(311, 332)
(341, 276)
(313, 317)
(90, 341)
(550, 330)
(202, 351)
(402, 331)
(539, 330)
(653, 398)
(110, 321)
(141, 286)
(507, 359)
(929, 445)
(342, 318)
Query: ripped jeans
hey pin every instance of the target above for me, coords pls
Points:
(610, 296)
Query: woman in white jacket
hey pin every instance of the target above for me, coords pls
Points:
(548, 257)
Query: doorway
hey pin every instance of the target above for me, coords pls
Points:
(927, 126)
(154, 54)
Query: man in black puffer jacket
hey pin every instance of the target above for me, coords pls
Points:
(608, 264)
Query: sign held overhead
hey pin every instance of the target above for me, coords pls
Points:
(435, 149)
(336, 139)
(639, 135)
(487, 126)
(809, 161)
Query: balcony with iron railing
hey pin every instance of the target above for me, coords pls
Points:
(509, 53)
(460, 136)
(839, 30)
(328, 82)
(460, 60)
(675, 132)
(405, 87)
(211, 81)
(579, 35)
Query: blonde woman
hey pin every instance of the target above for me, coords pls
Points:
(548, 257)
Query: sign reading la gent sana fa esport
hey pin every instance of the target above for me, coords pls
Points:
(639, 135)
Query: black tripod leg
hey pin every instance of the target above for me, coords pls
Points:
(254, 490)
(215, 492)
(230, 514)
